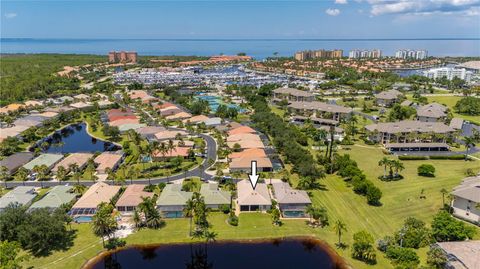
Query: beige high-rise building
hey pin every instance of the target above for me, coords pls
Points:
(122, 57)
(317, 54)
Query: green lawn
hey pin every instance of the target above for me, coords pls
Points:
(450, 101)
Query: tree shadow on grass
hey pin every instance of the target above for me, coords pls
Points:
(62, 242)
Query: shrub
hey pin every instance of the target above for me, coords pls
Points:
(233, 220)
(426, 170)
(402, 257)
(373, 194)
(448, 157)
(362, 248)
(225, 209)
(447, 228)
(412, 157)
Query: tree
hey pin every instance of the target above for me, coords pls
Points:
(61, 173)
(152, 216)
(443, 191)
(403, 257)
(319, 215)
(79, 189)
(362, 248)
(276, 217)
(21, 175)
(339, 227)
(469, 143)
(103, 222)
(468, 105)
(4, 174)
(413, 234)
(10, 257)
(397, 166)
(426, 170)
(447, 228)
(385, 162)
(436, 258)
(373, 194)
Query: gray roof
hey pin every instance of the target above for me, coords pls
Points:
(292, 91)
(456, 123)
(417, 145)
(408, 126)
(22, 195)
(213, 121)
(315, 105)
(388, 95)
(172, 194)
(13, 162)
(315, 119)
(213, 195)
(44, 159)
(462, 254)
(406, 103)
(469, 189)
(149, 130)
(432, 110)
(284, 194)
(56, 197)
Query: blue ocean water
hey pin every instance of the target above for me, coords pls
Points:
(258, 48)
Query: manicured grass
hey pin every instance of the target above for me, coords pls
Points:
(450, 101)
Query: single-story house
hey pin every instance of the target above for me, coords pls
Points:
(170, 110)
(122, 121)
(23, 195)
(466, 198)
(56, 197)
(80, 159)
(15, 161)
(176, 152)
(81, 105)
(250, 199)
(461, 254)
(244, 164)
(196, 119)
(291, 94)
(98, 193)
(81, 97)
(172, 200)
(387, 98)
(248, 153)
(131, 198)
(169, 134)
(213, 196)
(47, 159)
(213, 121)
(130, 126)
(108, 160)
(179, 116)
(241, 130)
(292, 202)
(149, 132)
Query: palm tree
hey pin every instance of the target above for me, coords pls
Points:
(469, 143)
(21, 175)
(103, 222)
(443, 191)
(61, 174)
(73, 167)
(76, 176)
(136, 218)
(110, 174)
(385, 162)
(163, 149)
(4, 174)
(79, 189)
(170, 146)
(188, 211)
(42, 173)
(339, 228)
(398, 166)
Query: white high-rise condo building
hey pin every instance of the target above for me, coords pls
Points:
(449, 73)
(411, 54)
(356, 53)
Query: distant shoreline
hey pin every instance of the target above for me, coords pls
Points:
(236, 39)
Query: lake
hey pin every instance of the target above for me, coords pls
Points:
(278, 254)
(75, 138)
(258, 48)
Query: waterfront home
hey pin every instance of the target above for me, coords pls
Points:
(80, 159)
(408, 131)
(466, 199)
(432, 113)
(99, 192)
(30, 121)
(291, 94)
(169, 134)
(47, 159)
(108, 160)
(213, 196)
(456, 124)
(14, 131)
(122, 121)
(172, 200)
(148, 132)
(56, 197)
(250, 199)
(388, 98)
(131, 198)
(15, 161)
(292, 202)
(461, 254)
(130, 126)
(116, 114)
(22, 195)
(320, 109)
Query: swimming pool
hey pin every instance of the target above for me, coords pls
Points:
(294, 214)
(215, 101)
(83, 219)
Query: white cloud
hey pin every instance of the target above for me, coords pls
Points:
(332, 11)
(424, 7)
(341, 2)
(10, 15)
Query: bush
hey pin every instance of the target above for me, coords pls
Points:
(402, 257)
(225, 209)
(447, 228)
(412, 157)
(233, 220)
(448, 157)
(362, 248)
(373, 194)
(426, 170)
(468, 105)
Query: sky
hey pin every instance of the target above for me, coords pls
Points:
(202, 19)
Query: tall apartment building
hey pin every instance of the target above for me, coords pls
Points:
(411, 54)
(122, 57)
(317, 54)
(356, 54)
(449, 73)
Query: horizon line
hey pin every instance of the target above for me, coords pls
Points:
(242, 39)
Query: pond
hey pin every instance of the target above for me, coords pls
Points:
(278, 254)
(74, 138)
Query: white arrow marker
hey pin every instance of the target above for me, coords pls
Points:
(253, 176)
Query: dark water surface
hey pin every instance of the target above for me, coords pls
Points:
(76, 139)
(278, 254)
